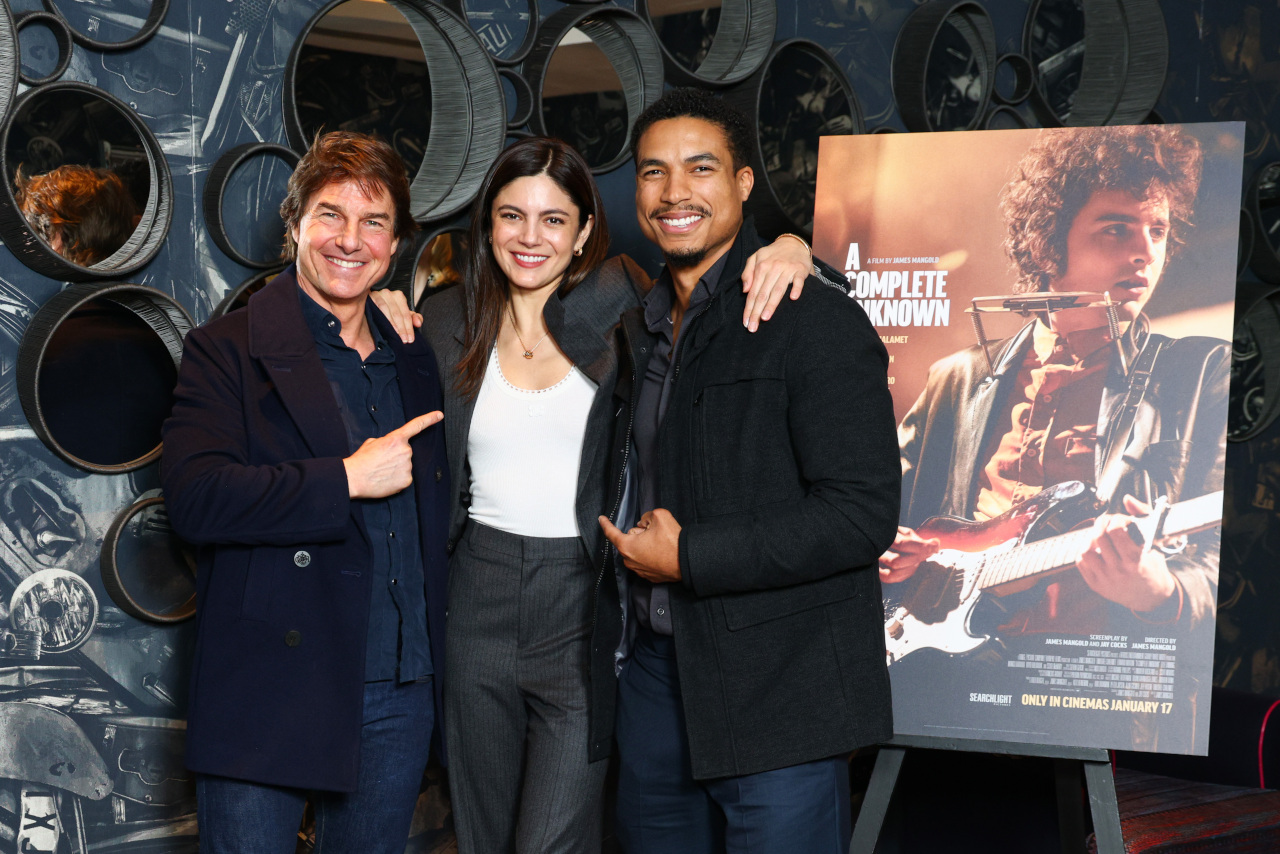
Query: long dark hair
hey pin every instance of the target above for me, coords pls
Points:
(485, 292)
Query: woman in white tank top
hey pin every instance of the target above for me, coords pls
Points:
(528, 413)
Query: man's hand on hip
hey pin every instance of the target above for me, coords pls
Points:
(384, 466)
(652, 548)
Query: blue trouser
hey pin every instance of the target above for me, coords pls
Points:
(662, 810)
(240, 817)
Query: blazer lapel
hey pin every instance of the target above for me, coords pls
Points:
(280, 339)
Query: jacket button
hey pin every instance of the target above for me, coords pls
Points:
(301, 558)
(439, 474)
(448, 547)
(292, 638)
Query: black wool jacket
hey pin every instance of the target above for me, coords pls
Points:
(779, 460)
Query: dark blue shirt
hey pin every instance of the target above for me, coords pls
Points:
(651, 603)
(368, 397)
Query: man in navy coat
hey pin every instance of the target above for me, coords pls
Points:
(302, 458)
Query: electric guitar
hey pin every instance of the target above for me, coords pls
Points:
(1035, 539)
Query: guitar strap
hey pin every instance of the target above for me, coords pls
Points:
(1122, 425)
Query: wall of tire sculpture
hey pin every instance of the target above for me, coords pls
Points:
(202, 107)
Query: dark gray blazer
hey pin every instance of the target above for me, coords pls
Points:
(582, 323)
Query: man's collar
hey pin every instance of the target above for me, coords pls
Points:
(658, 302)
(325, 326)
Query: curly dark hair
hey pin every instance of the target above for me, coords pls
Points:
(699, 104)
(1066, 166)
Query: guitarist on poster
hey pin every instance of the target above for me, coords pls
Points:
(1075, 397)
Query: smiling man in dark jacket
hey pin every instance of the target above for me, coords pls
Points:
(301, 458)
(764, 486)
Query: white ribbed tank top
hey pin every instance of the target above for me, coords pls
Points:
(524, 448)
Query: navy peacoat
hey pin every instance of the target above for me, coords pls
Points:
(253, 474)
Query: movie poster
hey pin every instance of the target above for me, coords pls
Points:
(1057, 308)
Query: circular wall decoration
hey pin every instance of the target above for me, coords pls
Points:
(1097, 61)
(1246, 239)
(1015, 75)
(507, 28)
(61, 33)
(1254, 401)
(1147, 62)
(57, 604)
(146, 569)
(631, 48)
(238, 297)
(96, 371)
(518, 95)
(9, 63)
(468, 122)
(944, 66)
(1004, 118)
(155, 16)
(68, 132)
(798, 95)
(715, 46)
(1262, 202)
(436, 260)
(215, 191)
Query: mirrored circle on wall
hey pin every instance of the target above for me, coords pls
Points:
(360, 67)
(412, 72)
(436, 261)
(147, 570)
(506, 28)
(583, 102)
(242, 197)
(1097, 61)
(96, 371)
(44, 46)
(711, 42)
(1262, 202)
(118, 25)
(88, 189)
(593, 70)
(944, 66)
(238, 297)
(9, 69)
(798, 95)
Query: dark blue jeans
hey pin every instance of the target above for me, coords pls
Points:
(240, 817)
(803, 809)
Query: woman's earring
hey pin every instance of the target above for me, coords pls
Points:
(577, 251)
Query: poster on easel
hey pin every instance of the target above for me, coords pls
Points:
(1057, 308)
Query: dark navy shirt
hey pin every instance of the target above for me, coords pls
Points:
(651, 603)
(368, 397)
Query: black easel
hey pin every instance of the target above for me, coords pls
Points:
(1068, 764)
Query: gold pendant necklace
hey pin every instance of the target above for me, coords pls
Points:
(528, 351)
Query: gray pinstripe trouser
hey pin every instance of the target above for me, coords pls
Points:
(516, 695)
